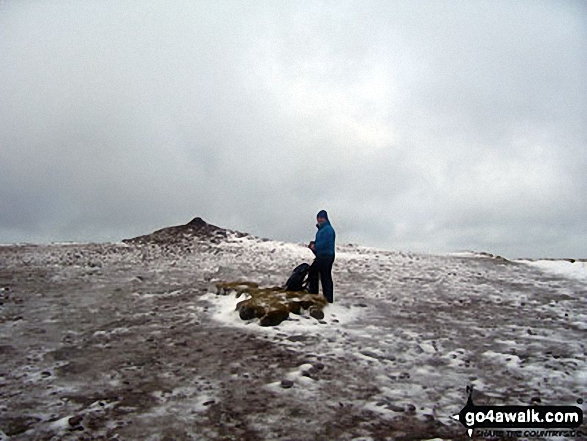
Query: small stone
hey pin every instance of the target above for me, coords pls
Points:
(319, 366)
(411, 408)
(286, 384)
(207, 403)
(45, 374)
(535, 400)
(297, 338)
(370, 354)
(318, 314)
(75, 420)
(395, 408)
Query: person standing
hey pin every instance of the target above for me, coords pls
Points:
(323, 248)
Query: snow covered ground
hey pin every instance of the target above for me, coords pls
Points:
(117, 341)
(576, 269)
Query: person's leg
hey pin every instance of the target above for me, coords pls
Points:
(326, 278)
(313, 279)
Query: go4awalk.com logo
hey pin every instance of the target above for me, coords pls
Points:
(526, 420)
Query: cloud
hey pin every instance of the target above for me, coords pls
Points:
(429, 126)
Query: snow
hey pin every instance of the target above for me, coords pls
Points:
(224, 311)
(577, 269)
(141, 329)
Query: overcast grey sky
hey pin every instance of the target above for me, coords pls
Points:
(419, 125)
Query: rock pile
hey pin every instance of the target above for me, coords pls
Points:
(272, 305)
(197, 228)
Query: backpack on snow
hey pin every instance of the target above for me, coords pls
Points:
(298, 279)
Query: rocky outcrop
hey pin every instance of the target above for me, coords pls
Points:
(271, 305)
(197, 228)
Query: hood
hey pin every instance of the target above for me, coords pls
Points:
(324, 214)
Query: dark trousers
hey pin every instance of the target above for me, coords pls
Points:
(322, 268)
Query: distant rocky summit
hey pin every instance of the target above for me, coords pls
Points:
(197, 228)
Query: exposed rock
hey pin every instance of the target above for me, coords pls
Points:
(286, 384)
(245, 311)
(241, 287)
(198, 222)
(271, 305)
(295, 307)
(274, 316)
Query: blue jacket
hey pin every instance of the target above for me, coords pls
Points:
(325, 237)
